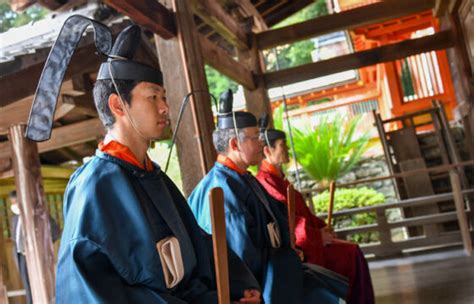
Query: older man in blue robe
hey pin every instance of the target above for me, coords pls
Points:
(257, 227)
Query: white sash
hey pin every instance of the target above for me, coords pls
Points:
(171, 260)
(274, 234)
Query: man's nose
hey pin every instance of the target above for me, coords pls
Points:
(164, 108)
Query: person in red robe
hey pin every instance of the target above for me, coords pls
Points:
(319, 245)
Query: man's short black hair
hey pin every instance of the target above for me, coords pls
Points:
(12, 194)
(272, 142)
(103, 89)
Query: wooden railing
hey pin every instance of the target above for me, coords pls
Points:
(386, 246)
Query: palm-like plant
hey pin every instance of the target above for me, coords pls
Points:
(331, 149)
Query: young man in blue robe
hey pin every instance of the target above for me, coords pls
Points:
(129, 235)
(257, 227)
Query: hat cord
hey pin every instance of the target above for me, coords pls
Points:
(127, 112)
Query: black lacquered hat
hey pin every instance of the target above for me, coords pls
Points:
(228, 119)
(267, 133)
(119, 66)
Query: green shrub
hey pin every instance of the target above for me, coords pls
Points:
(348, 199)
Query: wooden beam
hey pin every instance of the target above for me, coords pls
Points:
(34, 215)
(249, 10)
(149, 14)
(286, 11)
(222, 62)
(23, 83)
(5, 164)
(214, 14)
(18, 113)
(183, 70)
(73, 134)
(358, 60)
(65, 136)
(83, 104)
(5, 150)
(346, 20)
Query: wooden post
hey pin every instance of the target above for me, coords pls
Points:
(291, 214)
(219, 242)
(183, 69)
(257, 101)
(332, 191)
(385, 236)
(461, 211)
(34, 215)
(452, 149)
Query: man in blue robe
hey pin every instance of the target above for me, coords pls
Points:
(129, 235)
(257, 226)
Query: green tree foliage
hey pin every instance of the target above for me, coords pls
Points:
(331, 149)
(300, 52)
(9, 18)
(218, 83)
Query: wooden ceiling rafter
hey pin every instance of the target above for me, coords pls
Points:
(213, 13)
(150, 14)
(341, 21)
(218, 59)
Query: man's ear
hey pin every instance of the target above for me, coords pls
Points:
(115, 105)
(233, 144)
(266, 151)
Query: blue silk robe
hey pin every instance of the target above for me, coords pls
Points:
(279, 270)
(115, 213)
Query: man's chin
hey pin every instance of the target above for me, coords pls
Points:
(253, 163)
(162, 133)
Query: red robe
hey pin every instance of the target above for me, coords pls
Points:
(340, 256)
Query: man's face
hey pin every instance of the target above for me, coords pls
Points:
(279, 154)
(149, 109)
(251, 146)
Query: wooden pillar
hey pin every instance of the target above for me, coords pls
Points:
(256, 100)
(183, 70)
(34, 215)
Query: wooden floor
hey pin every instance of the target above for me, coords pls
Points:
(443, 277)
